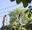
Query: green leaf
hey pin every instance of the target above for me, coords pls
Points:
(18, 1)
(25, 4)
(26, 11)
(29, 15)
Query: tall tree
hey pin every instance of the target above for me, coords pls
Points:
(18, 18)
(14, 22)
(25, 2)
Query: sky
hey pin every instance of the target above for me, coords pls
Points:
(5, 7)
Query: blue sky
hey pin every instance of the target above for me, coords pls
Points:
(5, 7)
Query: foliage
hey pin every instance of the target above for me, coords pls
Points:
(20, 17)
(25, 2)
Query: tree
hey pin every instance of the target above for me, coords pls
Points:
(29, 15)
(25, 2)
(19, 17)
(28, 25)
